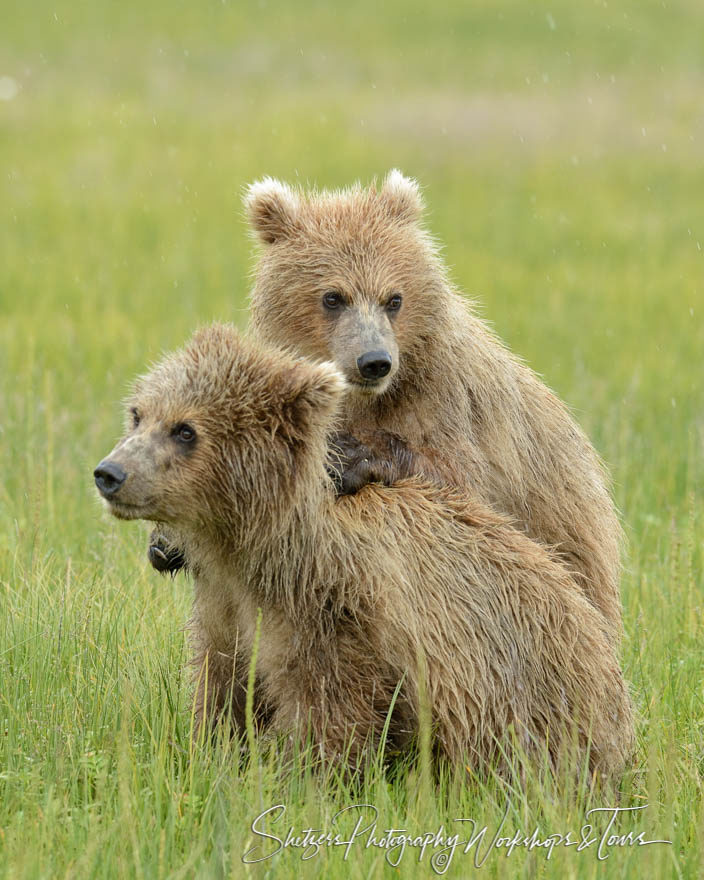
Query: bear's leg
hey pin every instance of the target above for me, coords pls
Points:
(164, 555)
(352, 464)
(382, 458)
(221, 691)
(337, 696)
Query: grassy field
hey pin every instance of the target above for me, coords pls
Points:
(560, 148)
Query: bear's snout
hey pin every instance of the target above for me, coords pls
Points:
(374, 364)
(109, 477)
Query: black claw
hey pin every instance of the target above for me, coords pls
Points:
(336, 476)
(170, 561)
(349, 464)
(158, 558)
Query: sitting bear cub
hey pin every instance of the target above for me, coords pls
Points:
(352, 277)
(370, 601)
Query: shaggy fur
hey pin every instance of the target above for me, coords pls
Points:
(457, 407)
(358, 593)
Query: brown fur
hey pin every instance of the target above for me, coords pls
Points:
(459, 408)
(355, 590)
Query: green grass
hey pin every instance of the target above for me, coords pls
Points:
(560, 150)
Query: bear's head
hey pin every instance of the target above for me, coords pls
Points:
(349, 277)
(220, 435)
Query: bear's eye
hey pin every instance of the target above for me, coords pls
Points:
(333, 299)
(136, 418)
(184, 433)
(394, 303)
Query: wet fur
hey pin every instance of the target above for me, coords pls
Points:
(361, 592)
(461, 409)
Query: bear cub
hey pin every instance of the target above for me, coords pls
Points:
(352, 277)
(372, 605)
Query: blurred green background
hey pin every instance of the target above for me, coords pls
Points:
(560, 149)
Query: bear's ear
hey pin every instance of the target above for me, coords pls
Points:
(401, 197)
(311, 398)
(325, 386)
(272, 209)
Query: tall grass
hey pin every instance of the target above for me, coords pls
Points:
(560, 151)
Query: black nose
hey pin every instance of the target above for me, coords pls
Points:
(374, 364)
(108, 478)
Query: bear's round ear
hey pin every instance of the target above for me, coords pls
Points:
(401, 197)
(328, 384)
(309, 395)
(272, 209)
(319, 386)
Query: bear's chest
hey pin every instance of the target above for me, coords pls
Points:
(227, 615)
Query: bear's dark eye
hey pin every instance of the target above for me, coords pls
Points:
(136, 418)
(184, 433)
(333, 300)
(394, 303)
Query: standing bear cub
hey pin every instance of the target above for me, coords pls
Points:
(352, 277)
(368, 601)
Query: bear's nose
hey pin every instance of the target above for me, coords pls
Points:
(108, 478)
(374, 364)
